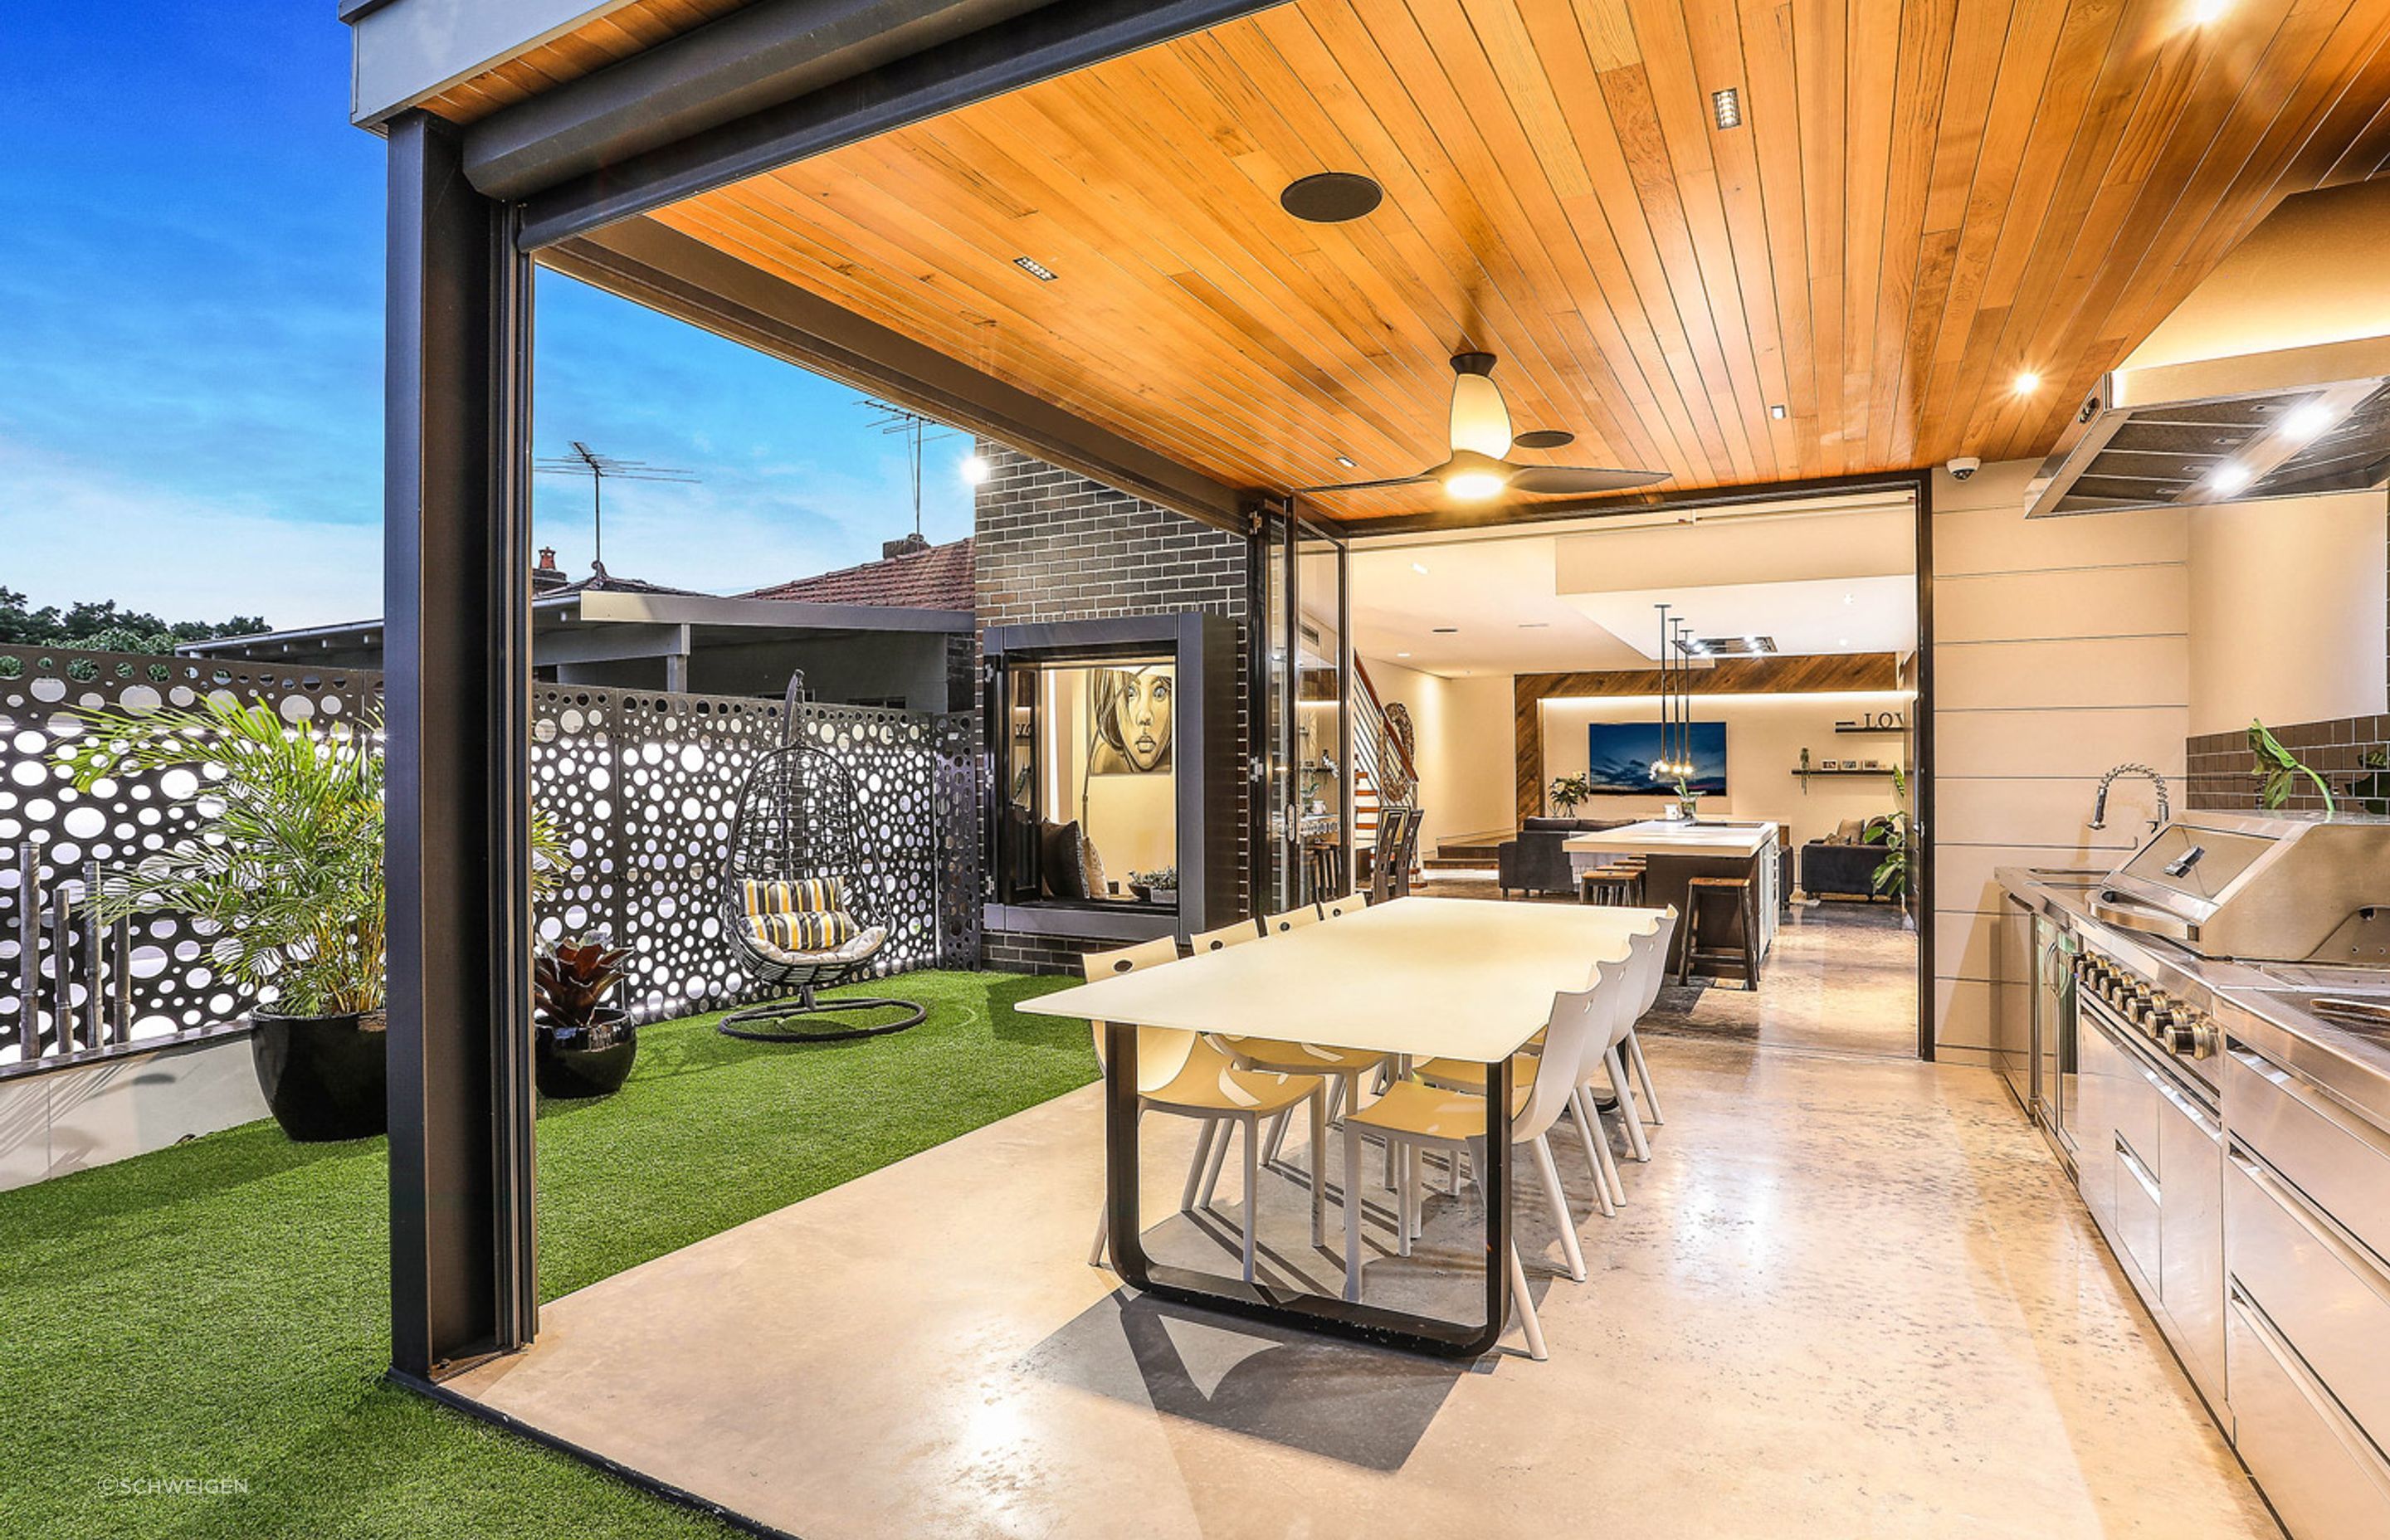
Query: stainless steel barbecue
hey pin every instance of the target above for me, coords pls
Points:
(2259, 889)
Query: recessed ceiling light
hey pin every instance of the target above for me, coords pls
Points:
(1843, 642)
(1420, 567)
(2205, 11)
(1346, 461)
(1850, 599)
(2027, 382)
(1447, 630)
(2231, 476)
(1725, 107)
(1777, 412)
(976, 471)
(1034, 268)
(2308, 421)
(1535, 625)
(1331, 197)
(1402, 654)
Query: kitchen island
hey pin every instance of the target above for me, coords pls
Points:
(1675, 851)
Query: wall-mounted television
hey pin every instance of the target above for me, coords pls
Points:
(1619, 756)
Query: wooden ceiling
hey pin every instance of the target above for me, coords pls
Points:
(627, 29)
(1926, 198)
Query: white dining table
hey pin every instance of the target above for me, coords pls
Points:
(1421, 977)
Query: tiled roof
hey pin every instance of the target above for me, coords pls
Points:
(937, 578)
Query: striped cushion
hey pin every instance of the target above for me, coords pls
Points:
(805, 930)
(813, 895)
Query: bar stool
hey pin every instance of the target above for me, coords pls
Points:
(1690, 949)
(1618, 884)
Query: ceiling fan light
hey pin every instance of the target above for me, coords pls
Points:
(1481, 422)
(1472, 486)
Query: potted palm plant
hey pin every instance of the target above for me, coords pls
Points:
(584, 1046)
(284, 874)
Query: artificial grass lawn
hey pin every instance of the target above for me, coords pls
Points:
(218, 1312)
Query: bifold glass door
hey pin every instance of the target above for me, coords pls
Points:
(1302, 731)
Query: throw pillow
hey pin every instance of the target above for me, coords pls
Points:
(1064, 869)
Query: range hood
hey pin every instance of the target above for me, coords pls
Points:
(2270, 380)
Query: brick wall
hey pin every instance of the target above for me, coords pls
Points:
(2219, 765)
(2339, 751)
(1051, 547)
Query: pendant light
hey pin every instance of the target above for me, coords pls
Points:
(1659, 761)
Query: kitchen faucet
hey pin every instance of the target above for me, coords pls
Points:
(2099, 799)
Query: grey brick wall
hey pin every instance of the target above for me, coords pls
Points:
(1052, 545)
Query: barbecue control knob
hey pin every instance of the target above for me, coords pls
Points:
(2191, 1035)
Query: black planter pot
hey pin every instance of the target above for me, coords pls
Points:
(567, 1070)
(325, 1077)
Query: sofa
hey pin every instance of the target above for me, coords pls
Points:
(1535, 863)
(1844, 863)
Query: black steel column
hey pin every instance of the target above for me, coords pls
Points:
(456, 523)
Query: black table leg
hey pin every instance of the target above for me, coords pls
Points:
(1263, 1301)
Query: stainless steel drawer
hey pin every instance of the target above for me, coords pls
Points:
(2324, 1478)
(2326, 1150)
(2138, 1213)
(2325, 1294)
(2191, 1249)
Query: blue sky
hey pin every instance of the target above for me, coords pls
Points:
(190, 349)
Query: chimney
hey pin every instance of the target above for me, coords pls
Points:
(912, 544)
(546, 575)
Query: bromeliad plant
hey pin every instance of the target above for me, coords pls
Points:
(572, 986)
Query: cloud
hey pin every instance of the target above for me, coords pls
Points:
(72, 530)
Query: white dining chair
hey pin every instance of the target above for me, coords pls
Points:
(1456, 1074)
(1233, 934)
(1417, 1116)
(1349, 904)
(1185, 1074)
(1291, 919)
(1649, 995)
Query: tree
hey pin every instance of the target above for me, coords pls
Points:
(106, 626)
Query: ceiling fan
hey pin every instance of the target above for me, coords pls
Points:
(1479, 467)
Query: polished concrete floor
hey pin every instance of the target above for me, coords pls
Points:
(1847, 1297)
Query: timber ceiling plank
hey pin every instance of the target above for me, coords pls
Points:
(1925, 197)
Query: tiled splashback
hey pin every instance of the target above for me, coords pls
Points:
(2338, 751)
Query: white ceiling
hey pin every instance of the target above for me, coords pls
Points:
(1499, 594)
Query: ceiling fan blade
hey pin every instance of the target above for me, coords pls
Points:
(1368, 486)
(1582, 479)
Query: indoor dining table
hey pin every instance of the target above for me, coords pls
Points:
(1419, 978)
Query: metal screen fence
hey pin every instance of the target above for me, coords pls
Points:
(641, 785)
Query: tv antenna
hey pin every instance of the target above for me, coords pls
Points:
(892, 419)
(601, 469)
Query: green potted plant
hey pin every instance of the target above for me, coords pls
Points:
(585, 1045)
(285, 874)
(2278, 771)
(1160, 886)
(1569, 791)
(1891, 878)
(1688, 802)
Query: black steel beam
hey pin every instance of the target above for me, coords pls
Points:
(691, 115)
(456, 523)
(689, 280)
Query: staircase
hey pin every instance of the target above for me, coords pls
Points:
(1382, 761)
